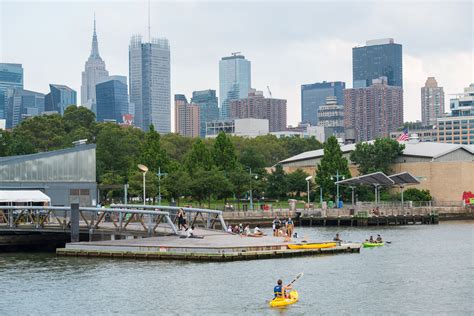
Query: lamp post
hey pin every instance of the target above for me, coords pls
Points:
(307, 182)
(159, 174)
(337, 176)
(250, 191)
(143, 169)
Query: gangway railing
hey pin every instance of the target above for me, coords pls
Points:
(40, 218)
(206, 216)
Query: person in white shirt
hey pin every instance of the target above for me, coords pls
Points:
(190, 231)
(257, 231)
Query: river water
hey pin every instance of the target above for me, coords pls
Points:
(426, 269)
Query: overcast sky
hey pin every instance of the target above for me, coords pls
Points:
(289, 43)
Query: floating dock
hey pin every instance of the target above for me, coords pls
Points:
(215, 246)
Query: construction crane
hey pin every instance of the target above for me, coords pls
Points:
(269, 92)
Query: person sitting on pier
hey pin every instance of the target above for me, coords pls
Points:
(257, 231)
(190, 232)
(247, 230)
(281, 291)
(379, 239)
(229, 229)
(337, 238)
(371, 239)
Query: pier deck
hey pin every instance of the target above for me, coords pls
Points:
(215, 246)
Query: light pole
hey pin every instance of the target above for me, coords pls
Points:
(159, 174)
(337, 176)
(307, 182)
(143, 169)
(250, 191)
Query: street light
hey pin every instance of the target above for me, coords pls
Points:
(159, 174)
(307, 182)
(337, 176)
(251, 198)
(144, 169)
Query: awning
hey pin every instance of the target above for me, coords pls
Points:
(23, 196)
(374, 179)
(404, 178)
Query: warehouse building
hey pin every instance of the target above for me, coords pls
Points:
(66, 176)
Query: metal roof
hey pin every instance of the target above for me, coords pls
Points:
(376, 178)
(420, 149)
(46, 154)
(404, 178)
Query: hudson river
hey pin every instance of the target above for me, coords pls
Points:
(424, 270)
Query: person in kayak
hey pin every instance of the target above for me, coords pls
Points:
(379, 239)
(337, 238)
(371, 239)
(281, 291)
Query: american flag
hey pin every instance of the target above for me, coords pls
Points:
(404, 136)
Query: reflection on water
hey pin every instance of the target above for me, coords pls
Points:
(425, 269)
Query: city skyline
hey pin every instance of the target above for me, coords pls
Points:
(283, 57)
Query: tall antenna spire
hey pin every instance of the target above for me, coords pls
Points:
(94, 22)
(149, 31)
(95, 44)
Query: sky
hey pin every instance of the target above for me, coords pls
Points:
(289, 43)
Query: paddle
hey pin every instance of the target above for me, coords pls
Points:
(296, 278)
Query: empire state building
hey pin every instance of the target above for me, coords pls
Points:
(93, 73)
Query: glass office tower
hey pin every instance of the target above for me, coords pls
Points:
(234, 81)
(11, 76)
(314, 95)
(112, 99)
(149, 76)
(22, 104)
(379, 58)
(208, 108)
(59, 98)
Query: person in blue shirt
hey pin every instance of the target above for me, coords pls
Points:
(279, 290)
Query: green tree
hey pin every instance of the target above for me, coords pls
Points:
(176, 184)
(277, 186)
(176, 146)
(378, 156)
(199, 157)
(152, 154)
(206, 184)
(252, 158)
(240, 180)
(331, 163)
(78, 117)
(297, 182)
(43, 132)
(136, 184)
(5, 143)
(223, 153)
(417, 195)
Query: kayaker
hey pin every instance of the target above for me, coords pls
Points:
(379, 239)
(281, 291)
(371, 239)
(337, 237)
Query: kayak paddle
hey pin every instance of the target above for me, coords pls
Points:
(296, 278)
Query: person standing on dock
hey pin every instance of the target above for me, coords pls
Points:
(276, 226)
(290, 227)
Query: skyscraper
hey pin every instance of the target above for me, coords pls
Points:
(186, 117)
(373, 111)
(234, 81)
(432, 102)
(22, 104)
(11, 76)
(255, 105)
(149, 76)
(331, 117)
(93, 73)
(379, 58)
(59, 98)
(112, 99)
(208, 108)
(314, 95)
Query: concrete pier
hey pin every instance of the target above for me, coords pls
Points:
(215, 246)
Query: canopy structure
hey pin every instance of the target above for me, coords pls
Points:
(404, 178)
(23, 196)
(375, 179)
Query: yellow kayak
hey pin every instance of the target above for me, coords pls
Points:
(281, 301)
(313, 245)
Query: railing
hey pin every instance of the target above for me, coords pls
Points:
(91, 218)
(344, 212)
(207, 217)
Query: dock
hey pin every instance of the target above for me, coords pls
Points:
(215, 246)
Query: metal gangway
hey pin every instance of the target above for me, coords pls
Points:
(207, 217)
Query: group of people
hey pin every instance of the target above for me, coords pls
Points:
(283, 228)
(245, 230)
(378, 240)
